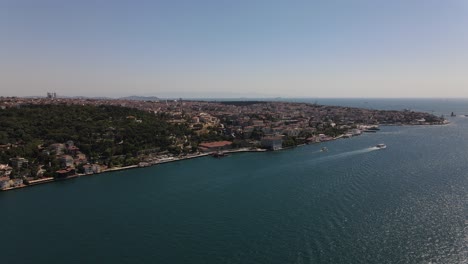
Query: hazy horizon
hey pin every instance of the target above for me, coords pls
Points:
(307, 49)
(240, 97)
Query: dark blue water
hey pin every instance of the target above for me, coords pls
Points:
(353, 204)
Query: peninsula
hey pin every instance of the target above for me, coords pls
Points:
(48, 139)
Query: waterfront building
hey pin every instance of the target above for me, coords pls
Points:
(88, 169)
(324, 137)
(65, 172)
(96, 168)
(356, 132)
(66, 161)
(215, 146)
(16, 182)
(272, 142)
(313, 139)
(4, 182)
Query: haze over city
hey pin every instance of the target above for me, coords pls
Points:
(213, 48)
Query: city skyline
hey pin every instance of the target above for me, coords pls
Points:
(315, 49)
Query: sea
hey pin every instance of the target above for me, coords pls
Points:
(407, 203)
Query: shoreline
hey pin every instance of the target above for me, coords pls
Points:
(195, 156)
(115, 169)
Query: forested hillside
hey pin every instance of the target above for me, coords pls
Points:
(99, 131)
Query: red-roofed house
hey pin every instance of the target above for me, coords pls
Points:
(215, 146)
(65, 172)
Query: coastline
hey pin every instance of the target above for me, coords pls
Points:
(114, 169)
(193, 156)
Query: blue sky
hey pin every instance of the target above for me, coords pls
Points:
(347, 48)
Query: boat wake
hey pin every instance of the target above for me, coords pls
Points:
(347, 154)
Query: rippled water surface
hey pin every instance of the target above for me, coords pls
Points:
(353, 204)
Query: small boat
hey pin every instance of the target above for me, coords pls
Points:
(219, 155)
(372, 129)
(324, 149)
(381, 146)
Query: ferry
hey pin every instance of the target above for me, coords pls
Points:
(381, 146)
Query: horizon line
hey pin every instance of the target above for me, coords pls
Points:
(228, 97)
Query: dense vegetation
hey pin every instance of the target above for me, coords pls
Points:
(101, 132)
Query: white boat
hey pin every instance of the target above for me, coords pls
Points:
(324, 149)
(381, 146)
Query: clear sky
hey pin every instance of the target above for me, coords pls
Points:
(235, 48)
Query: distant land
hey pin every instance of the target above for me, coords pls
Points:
(140, 98)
